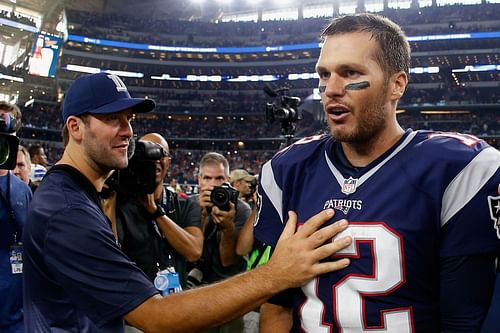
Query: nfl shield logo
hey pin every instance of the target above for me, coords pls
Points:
(349, 185)
(494, 204)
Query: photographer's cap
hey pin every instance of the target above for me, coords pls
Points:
(101, 93)
(240, 174)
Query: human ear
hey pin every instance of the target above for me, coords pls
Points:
(399, 82)
(75, 126)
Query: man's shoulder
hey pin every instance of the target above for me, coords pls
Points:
(304, 148)
(20, 187)
(449, 145)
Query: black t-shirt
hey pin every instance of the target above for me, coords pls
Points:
(142, 240)
(76, 279)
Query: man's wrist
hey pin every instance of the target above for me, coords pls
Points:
(157, 213)
(229, 228)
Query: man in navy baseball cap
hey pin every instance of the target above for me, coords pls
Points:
(77, 279)
(101, 93)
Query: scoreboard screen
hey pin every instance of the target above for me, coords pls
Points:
(44, 55)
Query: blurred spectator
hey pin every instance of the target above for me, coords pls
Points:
(37, 173)
(15, 197)
(245, 184)
(23, 165)
(37, 154)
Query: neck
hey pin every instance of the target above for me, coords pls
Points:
(92, 173)
(362, 154)
(3, 172)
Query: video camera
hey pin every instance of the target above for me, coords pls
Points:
(9, 144)
(139, 177)
(284, 109)
(222, 195)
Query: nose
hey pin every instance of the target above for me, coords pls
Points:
(126, 130)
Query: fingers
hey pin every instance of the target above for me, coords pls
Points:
(290, 226)
(325, 234)
(315, 222)
(327, 267)
(331, 248)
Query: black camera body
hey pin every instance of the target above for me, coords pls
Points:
(139, 177)
(222, 195)
(9, 144)
(284, 109)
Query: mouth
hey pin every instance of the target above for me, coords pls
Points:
(121, 147)
(337, 112)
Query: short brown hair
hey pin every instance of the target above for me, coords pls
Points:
(213, 158)
(394, 51)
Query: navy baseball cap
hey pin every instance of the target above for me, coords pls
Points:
(101, 93)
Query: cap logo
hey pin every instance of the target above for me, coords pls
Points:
(120, 86)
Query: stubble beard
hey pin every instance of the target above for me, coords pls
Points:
(370, 123)
(101, 157)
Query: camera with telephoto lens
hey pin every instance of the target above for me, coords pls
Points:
(284, 109)
(139, 177)
(222, 195)
(9, 144)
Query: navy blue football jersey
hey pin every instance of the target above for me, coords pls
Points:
(429, 196)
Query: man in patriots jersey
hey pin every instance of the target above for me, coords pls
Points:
(418, 202)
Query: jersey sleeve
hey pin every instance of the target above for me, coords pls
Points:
(269, 222)
(471, 207)
(81, 251)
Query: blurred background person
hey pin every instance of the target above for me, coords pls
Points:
(245, 183)
(23, 165)
(38, 171)
(15, 196)
(38, 156)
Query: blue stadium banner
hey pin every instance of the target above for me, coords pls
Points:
(44, 55)
(259, 49)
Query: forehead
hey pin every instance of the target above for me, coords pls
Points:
(20, 156)
(213, 169)
(348, 49)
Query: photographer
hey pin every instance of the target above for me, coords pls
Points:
(159, 229)
(221, 223)
(246, 184)
(15, 196)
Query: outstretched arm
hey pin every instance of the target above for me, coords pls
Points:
(300, 252)
(275, 319)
